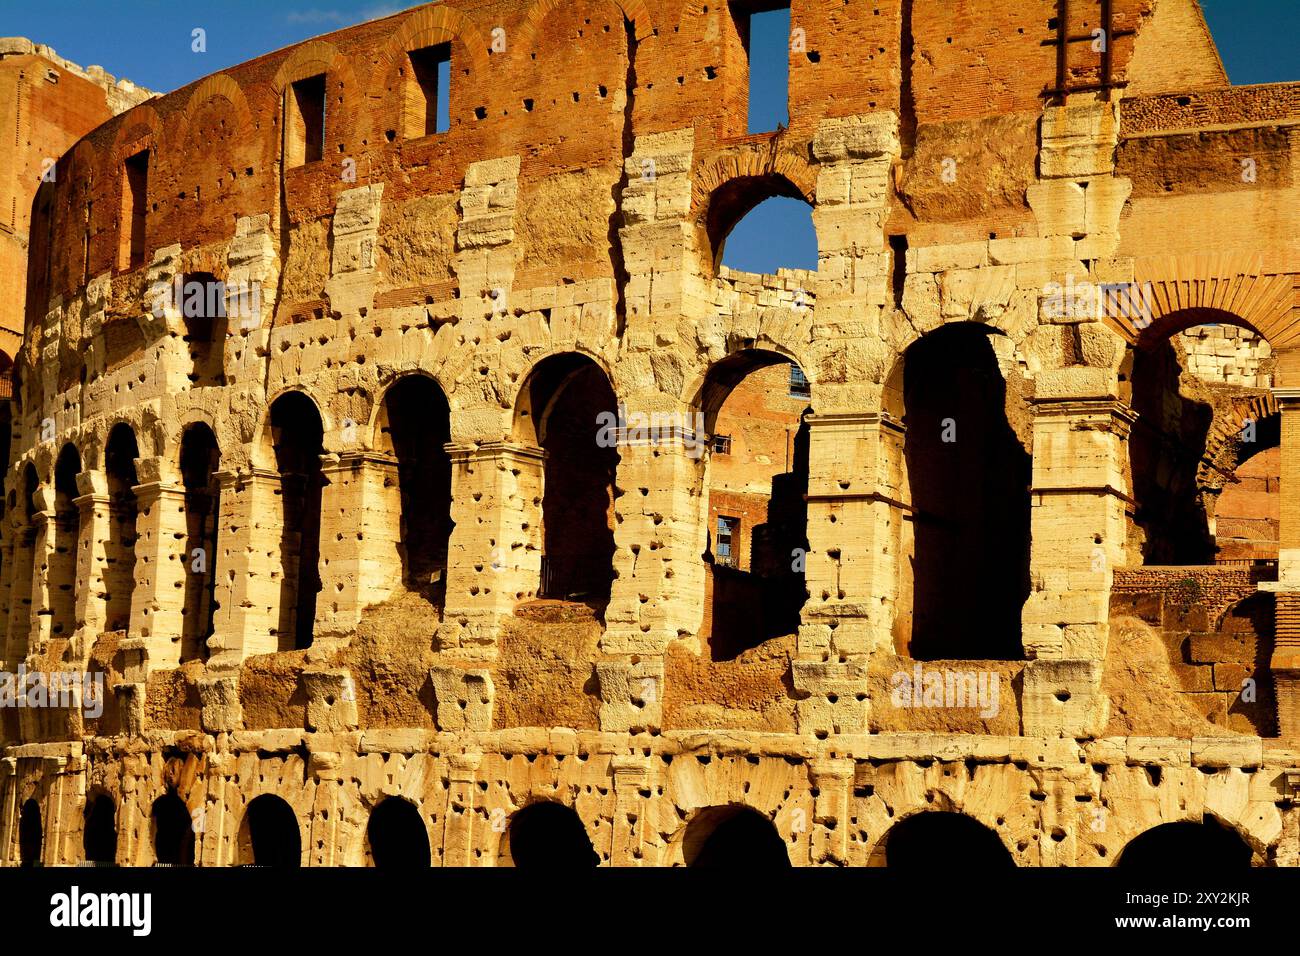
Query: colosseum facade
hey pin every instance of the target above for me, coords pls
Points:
(388, 488)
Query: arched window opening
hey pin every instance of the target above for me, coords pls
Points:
(173, 832)
(749, 246)
(734, 838)
(201, 299)
(952, 841)
(273, 834)
(561, 409)
(416, 421)
(1179, 847)
(119, 575)
(62, 572)
(200, 459)
(427, 100)
(99, 838)
(755, 405)
(744, 214)
(297, 436)
(550, 836)
(968, 473)
(397, 836)
(31, 837)
(1200, 385)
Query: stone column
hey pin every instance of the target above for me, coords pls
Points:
(20, 593)
(8, 808)
(248, 587)
(494, 556)
(360, 538)
(1078, 529)
(43, 524)
(632, 774)
(162, 567)
(458, 831)
(92, 559)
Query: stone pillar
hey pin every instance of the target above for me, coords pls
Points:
(833, 778)
(494, 556)
(360, 538)
(458, 832)
(660, 539)
(43, 524)
(92, 559)
(632, 775)
(8, 808)
(248, 587)
(162, 568)
(1078, 534)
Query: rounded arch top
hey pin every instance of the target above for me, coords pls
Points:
(218, 86)
(429, 26)
(1175, 293)
(728, 188)
(634, 11)
(310, 59)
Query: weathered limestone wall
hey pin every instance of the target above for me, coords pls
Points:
(567, 228)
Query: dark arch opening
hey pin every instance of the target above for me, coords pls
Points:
(417, 421)
(201, 300)
(1187, 846)
(397, 836)
(755, 406)
(734, 838)
(297, 436)
(62, 574)
(561, 408)
(969, 477)
(550, 836)
(200, 460)
(30, 834)
(951, 841)
(749, 246)
(119, 575)
(173, 832)
(99, 838)
(273, 832)
(1166, 448)
(1247, 509)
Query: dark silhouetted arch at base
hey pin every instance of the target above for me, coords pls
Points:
(173, 832)
(734, 838)
(939, 840)
(550, 835)
(99, 838)
(273, 832)
(397, 836)
(31, 837)
(1186, 846)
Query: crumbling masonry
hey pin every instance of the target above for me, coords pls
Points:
(363, 584)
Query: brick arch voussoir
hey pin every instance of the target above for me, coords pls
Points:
(634, 11)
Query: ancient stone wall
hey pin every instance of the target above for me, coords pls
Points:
(366, 467)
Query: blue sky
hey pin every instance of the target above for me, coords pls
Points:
(149, 41)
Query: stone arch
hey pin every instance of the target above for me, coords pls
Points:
(1190, 844)
(310, 59)
(926, 839)
(1235, 288)
(171, 831)
(1226, 431)
(728, 188)
(99, 831)
(412, 423)
(263, 451)
(546, 833)
(397, 835)
(31, 835)
(960, 496)
(138, 128)
(294, 436)
(755, 482)
(218, 86)
(560, 409)
(270, 834)
(634, 11)
(735, 836)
